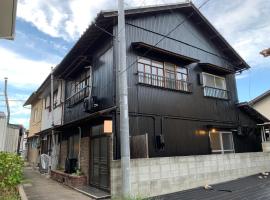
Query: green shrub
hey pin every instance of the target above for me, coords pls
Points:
(11, 166)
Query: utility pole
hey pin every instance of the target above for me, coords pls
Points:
(53, 156)
(123, 102)
(6, 98)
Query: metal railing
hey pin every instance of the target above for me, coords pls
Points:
(164, 82)
(216, 92)
(77, 97)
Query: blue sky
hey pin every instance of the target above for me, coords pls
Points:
(46, 30)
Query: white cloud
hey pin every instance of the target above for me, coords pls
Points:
(65, 19)
(47, 16)
(23, 72)
(244, 24)
(69, 19)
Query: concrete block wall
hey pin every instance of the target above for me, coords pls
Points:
(156, 176)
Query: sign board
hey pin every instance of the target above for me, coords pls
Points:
(107, 126)
(7, 18)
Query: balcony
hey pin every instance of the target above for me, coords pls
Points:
(77, 97)
(215, 93)
(164, 82)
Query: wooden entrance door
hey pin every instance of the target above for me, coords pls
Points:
(99, 159)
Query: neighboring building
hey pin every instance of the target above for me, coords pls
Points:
(10, 135)
(23, 145)
(12, 141)
(262, 104)
(182, 102)
(33, 141)
(3, 127)
(40, 130)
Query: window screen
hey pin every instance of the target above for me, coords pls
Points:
(214, 86)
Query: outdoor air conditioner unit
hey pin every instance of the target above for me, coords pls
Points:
(90, 104)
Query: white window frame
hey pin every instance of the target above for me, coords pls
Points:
(222, 151)
(215, 76)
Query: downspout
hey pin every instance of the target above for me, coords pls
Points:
(79, 154)
(52, 125)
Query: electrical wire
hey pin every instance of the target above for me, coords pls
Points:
(155, 45)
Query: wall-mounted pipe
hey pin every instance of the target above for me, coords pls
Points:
(79, 153)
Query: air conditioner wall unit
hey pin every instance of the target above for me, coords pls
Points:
(90, 104)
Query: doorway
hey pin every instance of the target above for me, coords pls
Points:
(99, 158)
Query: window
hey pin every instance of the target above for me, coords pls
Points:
(214, 86)
(163, 74)
(221, 142)
(48, 102)
(73, 146)
(80, 82)
(34, 143)
(35, 115)
(55, 99)
(79, 89)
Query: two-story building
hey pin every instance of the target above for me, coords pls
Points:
(45, 116)
(187, 127)
(34, 128)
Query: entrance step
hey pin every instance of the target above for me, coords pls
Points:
(93, 192)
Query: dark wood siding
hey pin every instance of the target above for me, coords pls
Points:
(103, 84)
(182, 113)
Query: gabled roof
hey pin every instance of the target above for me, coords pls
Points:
(260, 97)
(248, 109)
(35, 95)
(105, 20)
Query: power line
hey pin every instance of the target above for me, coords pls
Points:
(163, 37)
(14, 100)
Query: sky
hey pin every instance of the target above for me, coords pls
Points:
(47, 30)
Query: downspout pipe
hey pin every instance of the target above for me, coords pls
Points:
(53, 157)
(79, 154)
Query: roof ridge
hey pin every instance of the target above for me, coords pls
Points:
(260, 97)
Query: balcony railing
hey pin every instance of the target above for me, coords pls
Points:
(77, 97)
(164, 82)
(216, 92)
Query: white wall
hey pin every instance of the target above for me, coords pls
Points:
(156, 176)
(12, 139)
(3, 126)
(263, 106)
(58, 111)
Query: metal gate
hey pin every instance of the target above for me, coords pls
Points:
(99, 159)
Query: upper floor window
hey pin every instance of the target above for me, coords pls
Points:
(35, 117)
(55, 100)
(79, 89)
(214, 86)
(48, 102)
(163, 74)
(80, 82)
